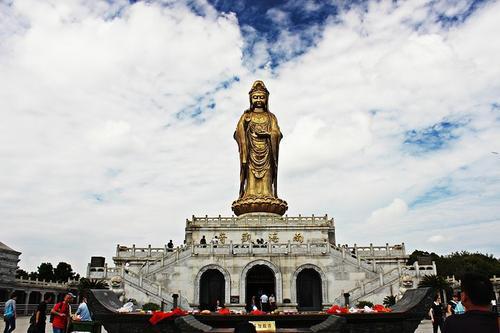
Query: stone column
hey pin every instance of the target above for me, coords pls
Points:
(26, 301)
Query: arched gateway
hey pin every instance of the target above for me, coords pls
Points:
(309, 292)
(212, 289)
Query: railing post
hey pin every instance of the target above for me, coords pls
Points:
(381, 278)
(140, 281)
(343, 252)
(374, 265)
(417, 269)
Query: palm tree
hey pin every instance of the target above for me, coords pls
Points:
(389, 300)
(436, 282)
(86, 284)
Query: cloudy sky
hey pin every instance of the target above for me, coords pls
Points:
(117, 119)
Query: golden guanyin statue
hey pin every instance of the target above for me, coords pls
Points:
(258, 136)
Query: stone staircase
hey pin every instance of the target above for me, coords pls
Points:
(152, 289)
(370, 287)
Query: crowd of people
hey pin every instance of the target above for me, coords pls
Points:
(471, 311)
(262, 302)
(60, 315)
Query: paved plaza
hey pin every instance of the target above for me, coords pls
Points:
(23, 323)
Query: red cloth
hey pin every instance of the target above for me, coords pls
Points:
(224, 311)
(381, 308)
(159, 316)
(257, 312)
(337, 309)
(59, 321)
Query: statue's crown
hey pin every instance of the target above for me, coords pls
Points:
(258, 86)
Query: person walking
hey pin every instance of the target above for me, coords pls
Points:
(41, 314)
(61, 313)
(9, 314)
(436, 314)
(272, 303)
(264, 301)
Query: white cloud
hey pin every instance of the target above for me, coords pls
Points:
(436, 239)
(389, 214)
(95, 154)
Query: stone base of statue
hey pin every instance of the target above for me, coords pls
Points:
(258, 204)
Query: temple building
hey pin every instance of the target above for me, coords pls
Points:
(260, 249)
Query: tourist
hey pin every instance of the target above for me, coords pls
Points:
(83, 313)
(264, 301)
(436, 314)
(61, 313)
(170, 246)
(455, 306)
(272, 303)
(477, 293)
(41, 314)
(203, 241)
(9, 314)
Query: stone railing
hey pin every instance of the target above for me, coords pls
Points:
(261, 219)
(29, 283)
(269, 248)
(365, 288)
(141, 252)
(153, 289)
(387, 251)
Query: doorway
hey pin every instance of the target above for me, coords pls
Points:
(309, 296)
(212, 289)
(260, 279)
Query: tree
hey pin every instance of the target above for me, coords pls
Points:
(459, 263)
(63, 272)
(46, 271)
(389, 300)
(86, 284)
(21, 274)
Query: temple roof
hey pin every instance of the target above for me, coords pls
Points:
(4, 247)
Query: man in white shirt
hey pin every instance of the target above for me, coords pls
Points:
(264, 302)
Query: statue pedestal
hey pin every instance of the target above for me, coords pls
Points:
(259, 205)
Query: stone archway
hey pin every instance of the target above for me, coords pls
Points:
(227, 282)
(322, 280)
(277, 276)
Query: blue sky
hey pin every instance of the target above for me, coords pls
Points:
(118, 118)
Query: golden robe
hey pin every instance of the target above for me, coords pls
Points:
(258, 137)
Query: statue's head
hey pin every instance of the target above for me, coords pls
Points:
(258, 95)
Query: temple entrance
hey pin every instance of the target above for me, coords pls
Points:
(309, 296)
(212, 289)
(260, 279)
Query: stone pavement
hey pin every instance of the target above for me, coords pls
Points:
(22, 324)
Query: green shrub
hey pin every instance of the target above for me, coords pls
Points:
(362, 304)
(151, 307)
